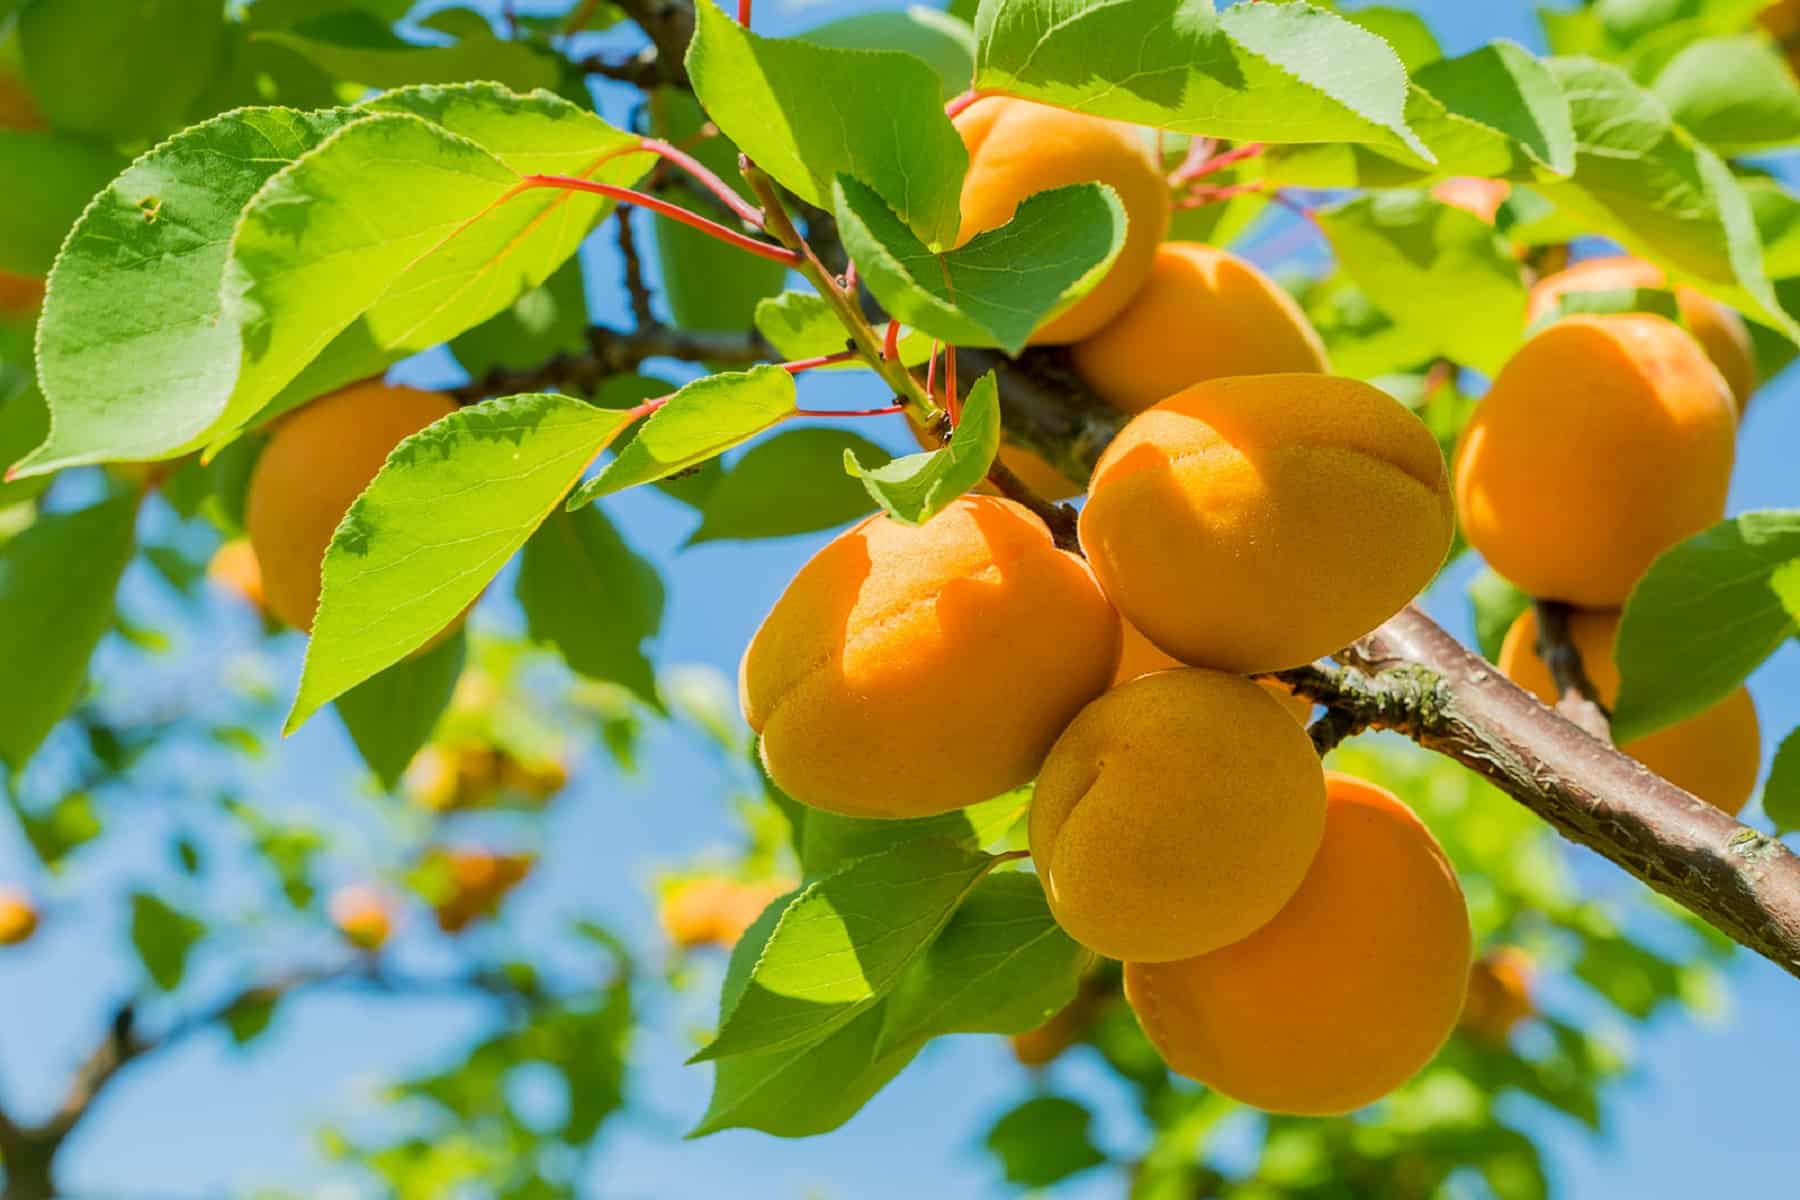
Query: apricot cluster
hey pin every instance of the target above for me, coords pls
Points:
(1603, 441)
(1255, 514)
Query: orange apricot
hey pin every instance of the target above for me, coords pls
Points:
(1478, 197)
(974, 620)
(1204, 313)
(1043, 1045)
(363, 916)
(318, 461)
(234, 568)
(1140, 657)
(1256, 523)
(475, 882)
(1720, 331)
(1342, 997)
(1175, 815)
(1715, 754)
(715, 911)
(1499, 995)
(1603, 441)
(18, 917)
(1019, 147)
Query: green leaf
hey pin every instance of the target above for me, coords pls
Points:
(119, 72)
(707, 417)
(1496, 603)
(843, 943)
(1701, 619)
(808, 113)
(163, 936)
(1405, 31)
(1002, 965)
(250, 1017)
(1777, 214)
(1660, 301)
(451, 505)
(57, 580)
(70, 823)
(136, 356)
(1000, 286)
(361, 48)
(917, 487)
(708, 285)
(1257, 72)
(65, 173)
(1736, 94)
(1502, 88)
(825, 842)
(1645, 182)
(1044, 1141)
(802, 325)
(392, 715)
(1417, 259)
(791, 483)
(550, 319)
(588, 593)
(1781, 794)
(945, 43)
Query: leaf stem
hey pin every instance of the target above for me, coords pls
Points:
(824, 360)
(850, 412)
(958, 103)
(745, 211)
(674, 212)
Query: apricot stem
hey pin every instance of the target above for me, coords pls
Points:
(663, 208)
(744, 13)
(958, 103)
(890, 344)
(746, 212)
(1213, 163)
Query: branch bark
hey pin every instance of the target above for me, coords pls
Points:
(669, 24)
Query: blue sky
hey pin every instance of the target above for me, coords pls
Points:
(1709, 1110)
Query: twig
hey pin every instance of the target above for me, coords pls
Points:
(1577, 698)
(669, 24)
(635, 287)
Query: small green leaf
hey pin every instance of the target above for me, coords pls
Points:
(1000, 286)
(801, 325)
(825, 842)
(1416, 259)
(57, 580)
(1504, 88)
(791, 483)
(163, 936)
(917, 487)
(1736, 94)
(945, 43)
(1002, 965)
(70, 823)
(808, 113)
(1781, 795)
(250, 1017)
(1044, 1141)
(843, 943)
(1701, 619)
(392, 715)
(706, 418)
(1660, 301)
(550, 319)
(451, 505)
(1405, 31)
(588, 593)
(361, 48)
(1256, 72)
(1496, 603)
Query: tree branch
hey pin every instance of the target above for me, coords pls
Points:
(669, 24)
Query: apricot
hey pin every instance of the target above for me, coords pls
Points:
(234, 568)
(1259, 522)
(1499, 994)
(715, 911)
(974, 621)
(1046, 1043)
(18, 917)
(1175, 815)
(1203, 314)
(475, 882)
(318, 461)
(1019, 147)
(20, 295)
(1603, 441)
(363, 916)
(474, 774)
(1714, 754)
(1478, 197)
(1346, 993)
(1140, 657)
(1720, 331)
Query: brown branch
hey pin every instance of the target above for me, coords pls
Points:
(616, 352)
(635, 287)
(1577, 697)
(642, 70)
(669, 24)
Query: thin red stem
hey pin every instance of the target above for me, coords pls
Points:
(1199, 150)
(890, 344)
(952, 401)
(931, 371)
(958, 103)
(744, 13)
(747, 212)
(850, 412)
(1218, 162)
(674, 212)
(824, 360)
(1200, 197)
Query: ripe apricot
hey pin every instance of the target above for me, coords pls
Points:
(475, 882)
(472, 773)
(1019, 147)
(715, 911)
(1499, 995)
(1259, 522)
(1346, 993)
(1720, 332)
(1714, 754)
(1045, 1044)
(363, 916)
(316, 464)
(1204, 313)
(1175, 815)
(974, 621)
(1140, 657)
(1478, 197)
(18, 917)
(234, 568)
(1603, 441)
